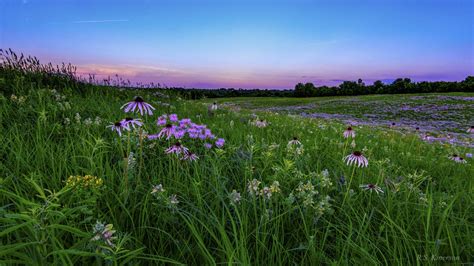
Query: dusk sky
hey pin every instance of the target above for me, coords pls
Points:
(247, 44)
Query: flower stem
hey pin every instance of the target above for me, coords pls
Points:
(349, 185)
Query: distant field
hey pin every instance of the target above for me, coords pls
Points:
(436, 114)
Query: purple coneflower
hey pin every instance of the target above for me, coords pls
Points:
(220, 142)
(417, 129)
(372, 187)
(454, 157)
(471, 130)
(189, 156)
(132, 122)
(119, 126)
(260, 123)
(356, 158)
(140, 105)
(294, 141)
(457, 158)
(162, 120)
(349, 132)
(393, 124)
(177, 149)
(167, 131)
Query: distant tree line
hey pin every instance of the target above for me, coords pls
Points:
(346, 88)
(398, 86)
(229, 92)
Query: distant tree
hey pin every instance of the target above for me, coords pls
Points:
(378, 86)
(349, 87)
(299, 90)
(309, 90)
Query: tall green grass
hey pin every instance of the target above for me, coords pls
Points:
(425, 215)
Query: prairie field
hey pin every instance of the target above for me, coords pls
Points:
(250, 181)
(288, 132)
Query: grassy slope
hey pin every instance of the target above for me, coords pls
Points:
(429, 212)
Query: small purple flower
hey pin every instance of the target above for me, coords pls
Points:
(177, 149)
(185, 122)
(207, 145)
(118, 127)
(208, 134)
(162, 120)
(132, 122)
(469, 155)
(140, 105)
(173, 117)
(178, 134)
(356, 158)
(193, 133)
(220, 142)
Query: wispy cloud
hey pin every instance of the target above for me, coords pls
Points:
(127, 70)
(100, 21)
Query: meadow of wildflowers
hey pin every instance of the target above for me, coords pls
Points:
(108, 176)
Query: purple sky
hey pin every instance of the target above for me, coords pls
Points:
(247, 44)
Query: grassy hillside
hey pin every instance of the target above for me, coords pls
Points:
(66, 178)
